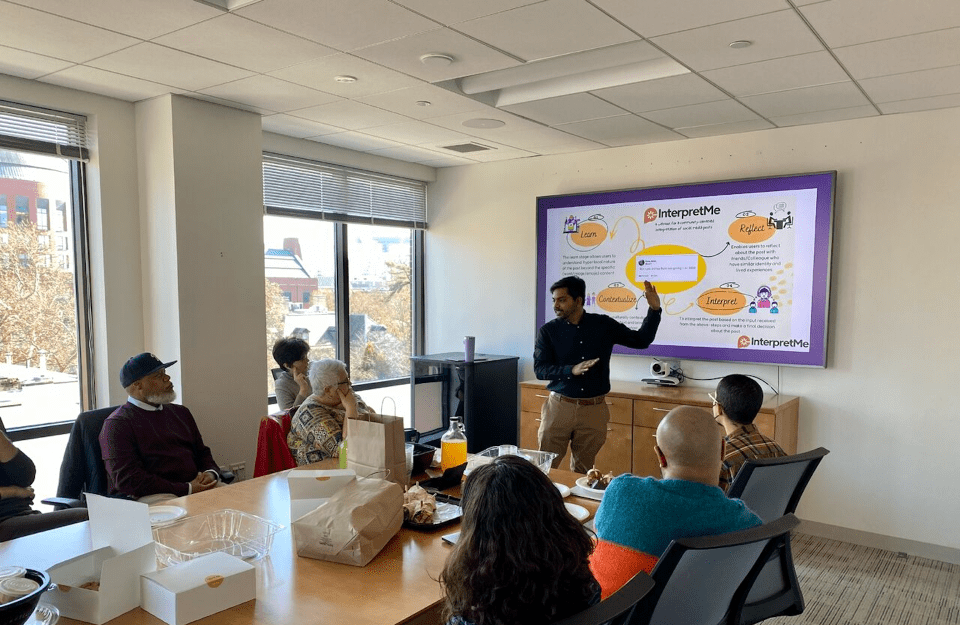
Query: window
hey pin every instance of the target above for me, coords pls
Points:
(45, 371)
(345, 243)
(43, 213)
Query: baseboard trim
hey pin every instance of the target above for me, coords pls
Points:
(880, 541)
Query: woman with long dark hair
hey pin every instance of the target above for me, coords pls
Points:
(521, 557)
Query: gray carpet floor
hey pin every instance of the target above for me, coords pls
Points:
(846, 584)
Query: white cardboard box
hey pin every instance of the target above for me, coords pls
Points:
(310, 489)
(123, 549)
(197, 588)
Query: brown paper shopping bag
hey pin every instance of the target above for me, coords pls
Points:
(375, 445)
(353, 525)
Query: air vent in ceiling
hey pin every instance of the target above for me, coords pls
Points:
(463, 148)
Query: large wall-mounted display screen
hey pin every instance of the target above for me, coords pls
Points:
(742, 266)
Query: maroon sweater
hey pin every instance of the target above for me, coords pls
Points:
(149, 452)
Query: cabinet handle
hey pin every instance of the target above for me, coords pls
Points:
(662, 409)
(543, 396)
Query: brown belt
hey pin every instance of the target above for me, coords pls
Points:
(589, 401)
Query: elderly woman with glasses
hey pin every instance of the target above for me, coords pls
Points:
(317, 427)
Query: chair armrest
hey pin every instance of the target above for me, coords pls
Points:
(62, 503)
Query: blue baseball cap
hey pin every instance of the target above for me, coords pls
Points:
(141, 366)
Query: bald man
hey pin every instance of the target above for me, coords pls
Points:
(639, 516)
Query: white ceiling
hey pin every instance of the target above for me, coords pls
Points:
(811, 61)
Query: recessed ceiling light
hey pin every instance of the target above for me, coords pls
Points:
(743, 43)
(423, 103)
(436, 59)
(346, 79)
(483, 123)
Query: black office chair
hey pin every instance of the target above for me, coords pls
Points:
(615, 609)
(772, 487)
(704, 580)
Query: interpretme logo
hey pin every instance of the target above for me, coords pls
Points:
(746, 341)
(681, 213)
(649, 215)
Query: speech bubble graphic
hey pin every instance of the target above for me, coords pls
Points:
(661, 254)
(751, 229)
(616, 298)
(721, 301)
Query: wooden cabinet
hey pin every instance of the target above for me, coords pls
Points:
(635, 411)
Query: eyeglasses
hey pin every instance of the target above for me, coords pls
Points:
(347, 382)
(714, 398)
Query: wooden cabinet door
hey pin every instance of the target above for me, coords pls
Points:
(616, 455)
(529, 424)
(645, 460)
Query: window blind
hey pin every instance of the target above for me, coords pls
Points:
(43, 131)
(297, 186)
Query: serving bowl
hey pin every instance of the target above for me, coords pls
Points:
(17, 612)
(422, 457)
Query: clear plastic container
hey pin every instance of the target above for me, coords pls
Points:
(237, 533)
(542, 459)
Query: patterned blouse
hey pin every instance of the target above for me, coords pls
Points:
(316, 430)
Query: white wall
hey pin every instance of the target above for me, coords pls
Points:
(884, 406)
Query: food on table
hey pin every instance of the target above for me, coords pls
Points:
(91, 585)
(598, 481)
(418, 505)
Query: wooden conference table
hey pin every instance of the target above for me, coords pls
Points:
(398, 586)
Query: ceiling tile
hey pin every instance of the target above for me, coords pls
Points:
(35, 31)
(566, 109)
(350, 115)
(447, 161)
(355, 141)
(623, 130)
(921, 104)
(715, 130)
(512, 124)
(903, 54)
(107, 83)
(723, 112)
(792, 72)
(453, 11)
(774, 35)
(658, 17)
(227, 39)
(848, 22)
(144, 19)
(582, 145)
(169, 67)
(295, 127)
(270, 93)
(404, 101)
(320, 74)
(418, 133)
(499, 153)
(408, 153)
(540, 139)
(206, 97)
(336, 24)
(663, 93)
(806, 100)
(470, 56)
(15, 62)
(549, 28)
(924, 84)
(822, 117)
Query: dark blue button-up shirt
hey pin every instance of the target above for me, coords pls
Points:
(561, 344)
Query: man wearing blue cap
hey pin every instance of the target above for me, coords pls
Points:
(152, 446)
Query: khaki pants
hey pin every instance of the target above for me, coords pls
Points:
(584, 428)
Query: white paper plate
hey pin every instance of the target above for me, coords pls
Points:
(44, 615)
(165, 515)
(564, 490)
(578, 512)
(582, 490)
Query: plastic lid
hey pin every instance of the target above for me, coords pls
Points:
(18, 586)
(12, 571)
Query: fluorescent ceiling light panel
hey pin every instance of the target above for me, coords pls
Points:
(622, 64)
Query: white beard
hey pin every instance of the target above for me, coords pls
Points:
(162, 398)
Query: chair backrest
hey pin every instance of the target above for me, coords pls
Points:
(617, 608)
(82, 469)
(772, 487)
(276, 372)
(705, 580)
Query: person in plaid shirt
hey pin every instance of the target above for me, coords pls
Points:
(735, 406)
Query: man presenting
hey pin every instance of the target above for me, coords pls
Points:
(573, 352)
(151, 446)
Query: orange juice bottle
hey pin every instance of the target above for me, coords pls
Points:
(453, 446)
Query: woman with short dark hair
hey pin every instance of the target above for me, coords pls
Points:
(292, 385)
(521, 557)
